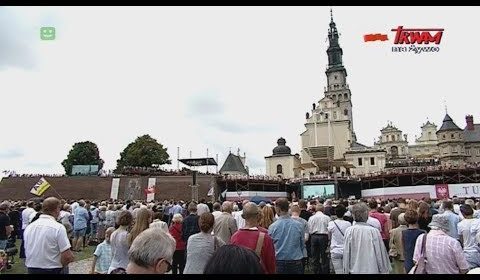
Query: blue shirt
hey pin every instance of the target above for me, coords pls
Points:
(288, 238)
(80, 218)
(409, 238)
(104, 257)
(453, 220)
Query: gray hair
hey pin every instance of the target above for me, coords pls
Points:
(178, 218)
(150, 246)
(227, 207)
(360, 212)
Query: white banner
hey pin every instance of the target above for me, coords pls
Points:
(114, 189)
(464, 190)
(151, 189)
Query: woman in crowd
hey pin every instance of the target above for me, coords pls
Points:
(336, 232)
(409, 238)
(119, 242)
(110, 216)
(175, 230)
(424, 217)
(396, 246)
(101, 223)
(246, 261)
(201, 246)
(142, 222)
(267, 217)
(444, 253)
(467, 230)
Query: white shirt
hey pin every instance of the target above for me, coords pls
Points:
(202, 208)
(318, 223)
(238, 218)
(45, 240)
(74, 206)
(216, 214)
(25, 216)
(337, 237)
(31, 216)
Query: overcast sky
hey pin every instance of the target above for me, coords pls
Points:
(217, 77)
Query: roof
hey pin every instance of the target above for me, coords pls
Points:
(281, 149)
(448, 124)
(358, 146)
(472, 135)
(233, 163)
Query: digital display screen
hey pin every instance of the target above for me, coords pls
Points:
(320, 191)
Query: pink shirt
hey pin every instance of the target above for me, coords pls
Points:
(444, 253)
(383, 222)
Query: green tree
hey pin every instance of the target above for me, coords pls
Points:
(82, 153)
(145, 151)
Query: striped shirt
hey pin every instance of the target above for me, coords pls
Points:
(444, 253)
(103, 252)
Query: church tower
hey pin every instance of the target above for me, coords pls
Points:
(337, 88)
(329, 126)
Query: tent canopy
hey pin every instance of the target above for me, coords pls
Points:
(258, 199)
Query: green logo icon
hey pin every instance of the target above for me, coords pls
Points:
(47, 33)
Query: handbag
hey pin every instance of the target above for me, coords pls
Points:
(420, 266)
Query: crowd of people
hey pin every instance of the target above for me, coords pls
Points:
(285, 237)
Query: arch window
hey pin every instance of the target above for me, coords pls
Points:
(345, 112)
(279, 169)
(345, 96)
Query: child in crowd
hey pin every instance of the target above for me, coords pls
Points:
(103, 254)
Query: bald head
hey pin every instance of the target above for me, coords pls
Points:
(250, 210)
(227, 207)
(51, 206)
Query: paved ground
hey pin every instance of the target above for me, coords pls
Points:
(81, 267)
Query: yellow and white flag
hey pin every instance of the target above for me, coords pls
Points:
(40, 187)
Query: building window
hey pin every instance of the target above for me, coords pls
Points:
(453, 136)
(340, 97)
(478, 152)
(279, 169)
(372, 161)
(345, 112)
(360, 163)
(444, 136)
(335, 77)
(334, 115)
(345, 96)
(468, 152)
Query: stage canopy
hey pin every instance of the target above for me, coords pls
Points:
(198, 161)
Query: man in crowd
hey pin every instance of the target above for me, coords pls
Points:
(238, 216)
(25, 215)
(225, 225)
(318, 229)
(47, 246)
(384, 231)
(295, 210)
(5, 225)
(401, 208)
(190, 223)
(151, 253)
(289, 241)
(364, 251)
(80, 220)
(256, 238)
(453, 219)
(216, 209)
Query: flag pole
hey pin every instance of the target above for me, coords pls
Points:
(56, 192)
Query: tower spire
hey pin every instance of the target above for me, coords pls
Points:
(331, 15)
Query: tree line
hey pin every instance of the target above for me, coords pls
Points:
(145, 151)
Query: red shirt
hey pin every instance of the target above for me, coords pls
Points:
(248, 238)
(383, 222)
(176, 232)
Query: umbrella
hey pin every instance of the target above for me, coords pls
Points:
(258, 199)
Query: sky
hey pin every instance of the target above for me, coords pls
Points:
(217, 78)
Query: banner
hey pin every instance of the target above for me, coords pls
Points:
(114, 190)
(442, 191)
(40, 187)
(210, 192)
(151, 189)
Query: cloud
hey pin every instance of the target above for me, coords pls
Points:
(10, 154)
(205, 105)
(40, 164)
(17, 47)
(209, 110)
